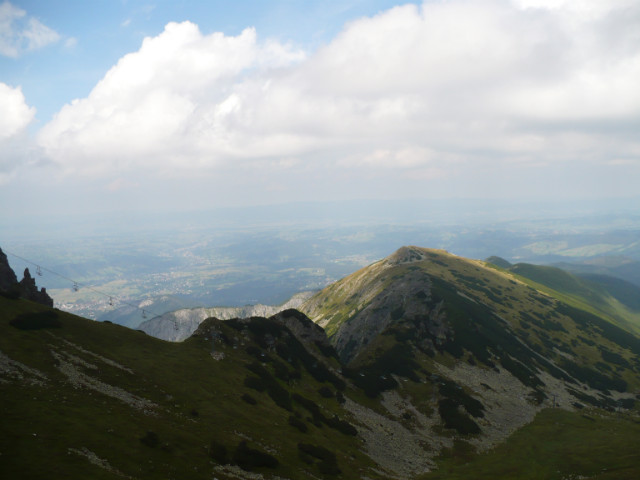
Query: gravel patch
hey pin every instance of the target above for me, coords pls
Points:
(95, 460)
(68, 365)
(12, 370)
(506, 402)
(401, 452)
(108, 361)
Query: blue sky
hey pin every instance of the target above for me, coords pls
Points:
(114, 105)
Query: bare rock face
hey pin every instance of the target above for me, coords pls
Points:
(26, 288)
(7, 278)
(409, 299)
(304, 329)
(30, 291)
(300, 325)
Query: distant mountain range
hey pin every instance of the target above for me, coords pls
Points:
(422, 365)
(180, 324)
(618, 300)
(618, 267)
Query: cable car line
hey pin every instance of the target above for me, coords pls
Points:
(77, 285)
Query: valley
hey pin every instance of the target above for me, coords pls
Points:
(246, 257)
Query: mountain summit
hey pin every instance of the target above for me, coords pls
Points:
(442, 312)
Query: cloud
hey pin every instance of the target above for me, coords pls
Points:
(20, 33)
(16, 116)
(460, 87)
(121, 184)
(71, 42)
(171, 104)
(405, 158)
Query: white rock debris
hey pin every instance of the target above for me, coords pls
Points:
(68, 365)
(401, 452)
(13, 370)
(95, 460)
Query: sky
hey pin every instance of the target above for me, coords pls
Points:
(127, 105)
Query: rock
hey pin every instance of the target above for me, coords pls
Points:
(26, 288)
(304, 329)
(8, 278)
(29, 290)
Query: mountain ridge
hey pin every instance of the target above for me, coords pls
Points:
(614, 298)
(178, 325)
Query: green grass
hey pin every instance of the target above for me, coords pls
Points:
(556, 445)
(616, 300)
(199, 401)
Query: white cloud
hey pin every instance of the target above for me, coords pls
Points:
(171, 104)
(121, 184)
(16, 116)
(423, 89)
(393, 159)
(20, 33)
(71, 42)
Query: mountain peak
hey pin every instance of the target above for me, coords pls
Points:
(7, 276)
(432, 303)
(26, 288)
(499, 262)
(411, 253)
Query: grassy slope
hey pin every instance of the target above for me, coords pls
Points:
(602, 296)
(556, 445)
(529, 308)
(198, 401)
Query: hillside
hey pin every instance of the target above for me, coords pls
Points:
(423, 314)
(97, 400)
(612, 298)
(435, 366)
(624, 268)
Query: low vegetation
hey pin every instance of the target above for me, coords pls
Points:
(556, 445)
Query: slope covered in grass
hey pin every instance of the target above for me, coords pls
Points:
(438, 359)
(556, 445)
(615, 299)
(82, 399)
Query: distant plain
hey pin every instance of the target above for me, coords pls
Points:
(243, 256)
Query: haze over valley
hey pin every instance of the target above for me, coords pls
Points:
(210, 259)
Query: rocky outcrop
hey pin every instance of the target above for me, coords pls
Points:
(8, 279)
(407, 299)
(29, 290)
(404, 255)
(304, 329)
(25, 288)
